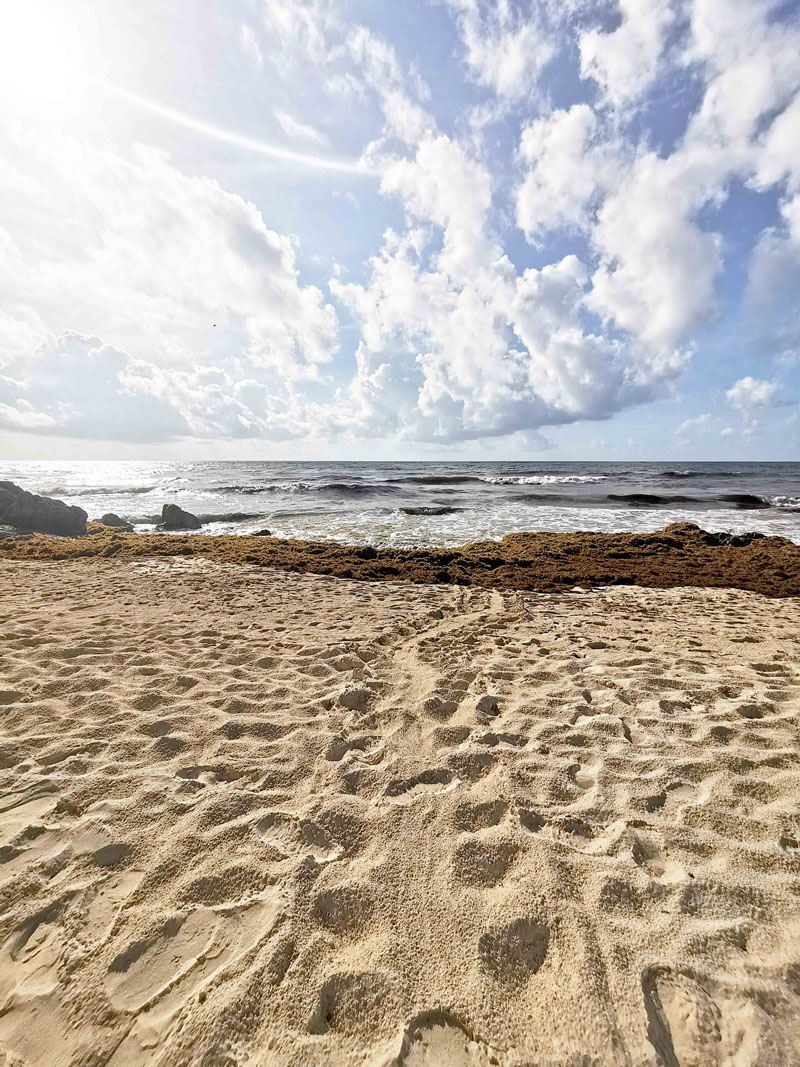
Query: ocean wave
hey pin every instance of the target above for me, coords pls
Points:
(741, 501)
(746, 500)
(441, 509)
(643, 500)
(231, 516)
(788, 503)
(700, 474)
(435, 479)
(342, 488)
(544, 479)
(130, 490)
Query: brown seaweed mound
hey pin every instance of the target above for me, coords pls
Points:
(680, 555)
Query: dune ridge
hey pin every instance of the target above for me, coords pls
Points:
(256, 817)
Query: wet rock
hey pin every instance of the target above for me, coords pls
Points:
(732, 540)
(175, 518)
(32, 513)
(112, 519)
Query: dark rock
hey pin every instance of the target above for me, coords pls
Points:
(39, 514)
(175, 518)
(110, 519)
(261, 533)
(731, 540)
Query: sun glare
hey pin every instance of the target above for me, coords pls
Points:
(41, 59)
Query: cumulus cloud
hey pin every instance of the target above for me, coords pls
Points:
(457, 344)
(158, 263)
(77, 386)
(702, 427)
(748, 396)
(658, 263)
(567, 170)
(22, 416)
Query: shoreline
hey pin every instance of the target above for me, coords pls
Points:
(679, 555)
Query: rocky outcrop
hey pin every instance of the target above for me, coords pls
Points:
(175, 518)
(39, 514)
(261, 533)
(112, 519)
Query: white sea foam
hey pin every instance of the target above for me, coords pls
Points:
(544, 479)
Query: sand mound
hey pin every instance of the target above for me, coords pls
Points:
(251, 817)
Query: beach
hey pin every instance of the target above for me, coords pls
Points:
(254, 816)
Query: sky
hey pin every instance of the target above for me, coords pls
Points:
(359, 229)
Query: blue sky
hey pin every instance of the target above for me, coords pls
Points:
(310, 228)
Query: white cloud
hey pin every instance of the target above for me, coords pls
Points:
(168, 267)
(625, 61)
(773, 284)
(299, 30)
(457, 344)
(774, 271)
(381, 71)
(21, 416)
(504, 50)
(658, 264)
(74, 387)
(567, 170)
(141, 301)
(299, 131)
(689, 427)
(748, 396)
(703, 427)
(77, 386)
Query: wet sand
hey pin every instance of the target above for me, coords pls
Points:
(258, 817)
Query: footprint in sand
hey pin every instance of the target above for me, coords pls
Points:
(432, 780)
(346, 908)
(649, 856)
(470, 816)
(436, 1038)
(683, 1021)
(515, 951)
(354, 1003)
(484, 863)
(584, 775)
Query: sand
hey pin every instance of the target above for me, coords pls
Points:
(255, 817)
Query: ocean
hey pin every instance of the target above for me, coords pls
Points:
(411, 504)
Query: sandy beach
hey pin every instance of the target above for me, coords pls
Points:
(257, 817)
